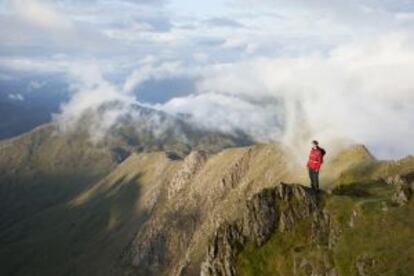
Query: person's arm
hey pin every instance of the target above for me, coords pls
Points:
(319, 159)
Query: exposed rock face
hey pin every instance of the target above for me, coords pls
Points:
(403, 188)
(192, 164)
(273, 209)
(364, 264)
(395, 180)
(227, 242)
(403, 194)
(236, 172)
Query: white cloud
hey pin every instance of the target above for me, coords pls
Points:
(152, 72)
(91, 92)
(16, 97)
(36, 85)
(41, 13)
(362, 92)
(229, 114)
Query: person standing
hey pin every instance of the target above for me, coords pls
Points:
(314, 164)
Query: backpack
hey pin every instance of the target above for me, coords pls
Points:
(323, 151)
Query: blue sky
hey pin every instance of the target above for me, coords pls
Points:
(299, 68)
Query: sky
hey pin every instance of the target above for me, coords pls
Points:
(280, 70)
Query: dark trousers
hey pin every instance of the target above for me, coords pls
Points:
(314, 178)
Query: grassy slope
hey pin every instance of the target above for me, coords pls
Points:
(381, 231)
(215, 193)
(40, 169)
(44, 166)
(86, 235)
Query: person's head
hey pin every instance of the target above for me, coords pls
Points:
(315, 144)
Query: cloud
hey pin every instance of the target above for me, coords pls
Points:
(223, 22)
(149, 71)
(90, 93)
(277, 70)
(36, 85)
(228, 114)
(32, 65)
(41, 13)
(16, 97)
(361, 91)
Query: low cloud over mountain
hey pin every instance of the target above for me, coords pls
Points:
(276, 71)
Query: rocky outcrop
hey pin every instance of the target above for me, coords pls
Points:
(403, 188)
(281, 209)
(403, 194)
(192, 164)
(395, 180)
(364, 264)
(236, 172)
(273, 210)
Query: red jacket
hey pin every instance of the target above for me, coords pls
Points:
(315, 159)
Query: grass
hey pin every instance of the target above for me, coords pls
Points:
(381, 233)
(385, 236)
(275, 257)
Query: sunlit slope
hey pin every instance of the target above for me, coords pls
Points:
(206, 191)
(48, 166)
(153, 213)
(365, 227)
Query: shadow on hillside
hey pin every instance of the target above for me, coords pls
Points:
(356, 189)
(80, 240)
(27, 195)
(409, 177)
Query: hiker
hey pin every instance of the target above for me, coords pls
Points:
(314, 164)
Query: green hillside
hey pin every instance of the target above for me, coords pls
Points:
(367, 233)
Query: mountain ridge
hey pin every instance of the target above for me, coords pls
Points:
(149, 213)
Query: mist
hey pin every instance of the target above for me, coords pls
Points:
(337, 72)
(360, 92)
(356, 93)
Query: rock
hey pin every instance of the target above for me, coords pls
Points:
(353, 218)
(321, 228)
(227, 242)
(119, 154)
(403, 194)
(364, 265)
(192, 164)
(235, 173)
(384, 206)
(272, 210)
(306, 267)
(310, 266)
(261, 216)
(395, 180)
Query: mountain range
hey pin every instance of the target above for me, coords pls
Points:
(157, 195)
